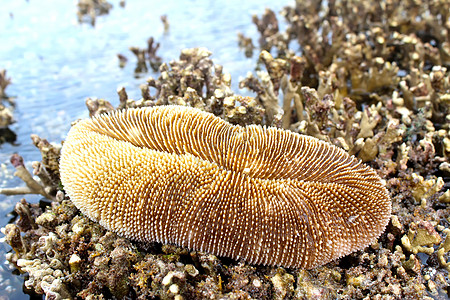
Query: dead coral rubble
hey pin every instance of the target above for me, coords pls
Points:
(6, 110)
(88, 10)
(194, 80)
(67, 255)
(374, 81)
(348, 81)
(32, 186)
(47, 171)
(4, 82)
(147, 56)
(165, 22)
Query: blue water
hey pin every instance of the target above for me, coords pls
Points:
(56, 63)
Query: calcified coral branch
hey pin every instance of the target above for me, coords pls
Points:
(242, 110)
(268, 23)
(246, 43)
(47, 171)
(154, 60)
(33, 187)
(317, 112)
(367, 125)
(50, 157)
(145, 91)
(194, 80)
(88, 10)
(165, 22)
(100, 106)
(269, 99)
(146, 100)
(40, 171)
(271, 37)
(14, 238)
(297, 68)
(147, 55)
(275, 67)
(123, 97)
(268, 87)
(6, 116)
(122, 60)
(17, 191)
(4, 82)
(290, 95)
(27, 219)
(141, 64)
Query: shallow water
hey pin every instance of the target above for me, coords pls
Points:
(56, 63)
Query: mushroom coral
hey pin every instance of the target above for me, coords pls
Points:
(182, 176)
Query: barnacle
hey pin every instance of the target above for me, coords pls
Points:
(178, 175)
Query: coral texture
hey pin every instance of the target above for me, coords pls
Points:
(178, 175)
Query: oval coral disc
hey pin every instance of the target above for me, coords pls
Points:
(178, 175)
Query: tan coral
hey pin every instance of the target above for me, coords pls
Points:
(179, 175)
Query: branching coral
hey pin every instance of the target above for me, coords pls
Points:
(147, 56)
(397, 66)
(47, 171)
(4, 82)
(88, 10)
(6, 110)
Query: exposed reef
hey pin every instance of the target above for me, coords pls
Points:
(372, 78)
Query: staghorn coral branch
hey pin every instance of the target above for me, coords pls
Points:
(33, 187)
(21, 190)
(290, 93)
(4, 82)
